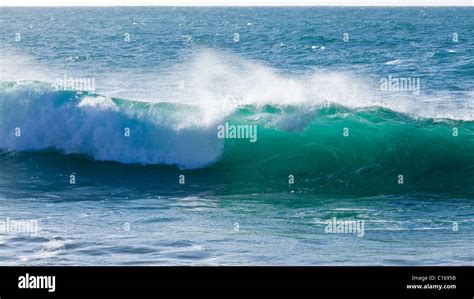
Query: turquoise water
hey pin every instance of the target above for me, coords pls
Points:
(331, 139)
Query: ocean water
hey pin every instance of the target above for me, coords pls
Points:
(132, 171)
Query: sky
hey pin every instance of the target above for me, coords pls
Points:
(236, 2)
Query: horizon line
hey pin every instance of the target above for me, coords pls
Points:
(245, 5)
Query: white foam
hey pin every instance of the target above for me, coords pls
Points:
(394, 62)
(93, 126)
(100, 103)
